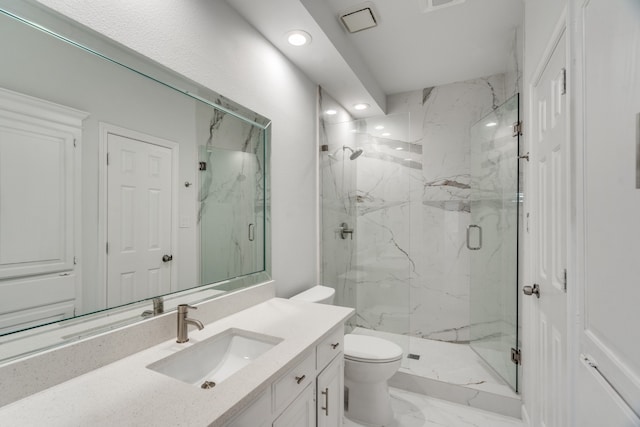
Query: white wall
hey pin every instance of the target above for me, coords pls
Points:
(208, 42)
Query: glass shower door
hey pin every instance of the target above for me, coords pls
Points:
(492, 238)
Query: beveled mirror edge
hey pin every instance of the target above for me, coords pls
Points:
(31, 339)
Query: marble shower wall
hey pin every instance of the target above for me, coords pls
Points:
(233, 214)
(337, 195)
(413, 195)
(407, 269)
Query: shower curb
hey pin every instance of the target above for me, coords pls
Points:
(456, 393)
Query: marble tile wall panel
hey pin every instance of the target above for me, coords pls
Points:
(337, 199)
(407, 270)
(412, 216)
(232, 192)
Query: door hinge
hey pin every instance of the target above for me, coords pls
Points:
(107, 248)
(517, 129)
(564, 280)
(202, 166)
(516, 356)
(107, 159)
(75, 260)
(74, 143)
(563, 89)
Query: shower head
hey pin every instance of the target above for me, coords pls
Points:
(354, 154)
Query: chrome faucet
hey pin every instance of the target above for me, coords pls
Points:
(158, 308)
(184, 322)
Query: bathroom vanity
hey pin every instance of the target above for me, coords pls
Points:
(297, 382)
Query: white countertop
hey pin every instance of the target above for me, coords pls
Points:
(126, 393)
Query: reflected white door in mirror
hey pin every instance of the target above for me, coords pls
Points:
(39, 208)
(140, 215)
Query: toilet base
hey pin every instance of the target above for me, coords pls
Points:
(368, 403)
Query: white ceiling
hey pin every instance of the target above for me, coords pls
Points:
(408, 50)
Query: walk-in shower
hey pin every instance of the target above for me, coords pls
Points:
(444, 167)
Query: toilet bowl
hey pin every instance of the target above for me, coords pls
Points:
(369, 363)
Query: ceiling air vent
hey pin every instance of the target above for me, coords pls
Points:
(433, 5)
(360, 17)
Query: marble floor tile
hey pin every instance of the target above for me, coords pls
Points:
(448, 362)
(416, 410)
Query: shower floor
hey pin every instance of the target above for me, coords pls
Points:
(450, 371)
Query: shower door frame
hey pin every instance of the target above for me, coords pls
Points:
(506, 355)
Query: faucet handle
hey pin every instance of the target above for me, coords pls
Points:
(183, 308)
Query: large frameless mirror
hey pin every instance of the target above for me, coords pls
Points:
(120, 181)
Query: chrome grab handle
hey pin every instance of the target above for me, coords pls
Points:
(532, 290)
(252, 234)
(475, 248)
(326, 401)
(300, 379)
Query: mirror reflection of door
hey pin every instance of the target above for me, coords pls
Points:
(139, 219)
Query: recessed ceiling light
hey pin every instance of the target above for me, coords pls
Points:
(386, 134)
(379, 127)
(331, 112)
(399, 148)
(298, 38)
(361, 106)
(408, 160)
(491, 124)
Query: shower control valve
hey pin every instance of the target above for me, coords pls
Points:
(344, 230)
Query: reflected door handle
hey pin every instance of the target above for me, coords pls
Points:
(167, 258)
(532, 290)
(474, 248)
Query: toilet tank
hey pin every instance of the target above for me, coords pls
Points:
(319, 294)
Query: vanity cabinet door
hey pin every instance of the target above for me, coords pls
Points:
(301, 413)
(258, 414)
(330, 401)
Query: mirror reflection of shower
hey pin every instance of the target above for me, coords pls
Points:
(354, 153)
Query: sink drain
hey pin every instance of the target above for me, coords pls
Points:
(207, 385)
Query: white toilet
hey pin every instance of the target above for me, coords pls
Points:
(369, 363)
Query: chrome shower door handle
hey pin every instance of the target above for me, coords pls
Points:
(474, 248)
(251, 232)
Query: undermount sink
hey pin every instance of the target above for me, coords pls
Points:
(215, 359)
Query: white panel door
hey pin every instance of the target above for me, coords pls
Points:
(139, 204)
(549, 142)
(36, 198)
(301, 413)
(609, 331)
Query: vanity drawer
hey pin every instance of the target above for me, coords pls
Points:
(329, 347)
(294, 382)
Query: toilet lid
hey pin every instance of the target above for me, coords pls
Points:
(315, 294)
(365, 348)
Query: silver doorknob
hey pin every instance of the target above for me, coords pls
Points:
(532, 290)
(167, 258)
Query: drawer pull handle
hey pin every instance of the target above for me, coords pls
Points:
(334, 346)
(326, 401)
(300, 379)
